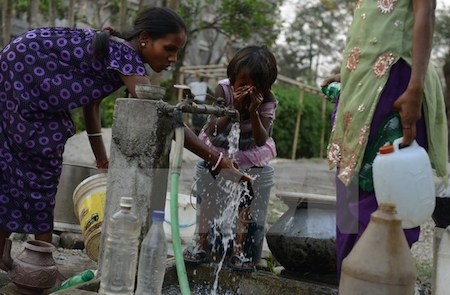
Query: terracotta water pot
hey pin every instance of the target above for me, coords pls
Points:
(34, 269)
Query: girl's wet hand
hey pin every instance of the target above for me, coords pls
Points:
(229, 169)
(256, 99)
(239, 94)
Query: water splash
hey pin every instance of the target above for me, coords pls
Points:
(233, 140)
(226, 222)
(195, 289)
(224, 225)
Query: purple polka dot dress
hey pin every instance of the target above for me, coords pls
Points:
(44, 74)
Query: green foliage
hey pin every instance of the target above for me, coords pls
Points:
(107, 106)
(240, 18)
(316, 35)
(106, 111)
(311, 123)
(271, 262)
(235, 19)
(169, 96)
(424, 270)
(284, 124)
(442, 34)
(276, 208)
(60, 8)
(22, 6)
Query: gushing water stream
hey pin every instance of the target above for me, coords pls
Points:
(224, 224)
(225, 221)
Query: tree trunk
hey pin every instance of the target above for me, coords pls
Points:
(174, 4)
(211, 49)
(7, 13)
(123, 15)
(172, 92)
(51, 12)
(71, 14)
(150, 3)
(98, 17)
(33, 13)
(173, 98)
(140, 6)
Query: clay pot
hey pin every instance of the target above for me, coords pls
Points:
(34, 269)
(303, 239)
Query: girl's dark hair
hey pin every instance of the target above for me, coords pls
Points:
(157, 22)
(260, 64)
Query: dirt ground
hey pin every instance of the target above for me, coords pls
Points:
(304, 175)
(290, 176)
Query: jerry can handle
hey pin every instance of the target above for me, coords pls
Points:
(398, 144)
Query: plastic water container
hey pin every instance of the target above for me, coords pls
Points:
(380, 263)
(152, 258)
(187, 217)
(120, 257)
(403, 176)
(89, 203)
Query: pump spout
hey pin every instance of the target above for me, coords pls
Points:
(188, 105)
(217, 111)
(235, 116)
(191, 107)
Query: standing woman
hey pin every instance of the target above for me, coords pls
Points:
(386, 70)
(47, 72)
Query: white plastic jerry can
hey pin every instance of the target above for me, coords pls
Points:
(403, 176)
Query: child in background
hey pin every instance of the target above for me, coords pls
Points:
(251, 74)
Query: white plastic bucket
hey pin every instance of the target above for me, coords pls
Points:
(186, 218)
(89, 204)
(403, 176)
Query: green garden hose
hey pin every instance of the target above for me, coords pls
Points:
(175, 176)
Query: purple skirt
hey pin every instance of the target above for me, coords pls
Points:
(355, 206)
